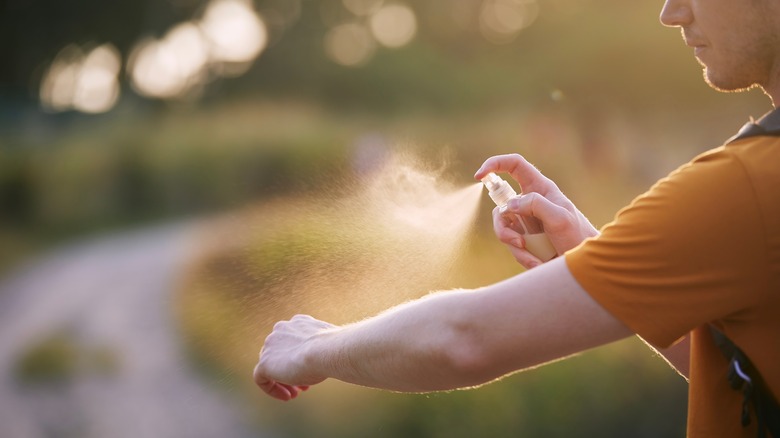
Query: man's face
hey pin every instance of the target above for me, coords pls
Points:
(736, 41)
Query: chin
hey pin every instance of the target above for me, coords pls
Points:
(726, 84)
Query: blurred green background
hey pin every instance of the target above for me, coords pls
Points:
(253, 119)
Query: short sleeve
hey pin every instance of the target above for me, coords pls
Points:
(684, 253)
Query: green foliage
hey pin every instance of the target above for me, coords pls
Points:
(61, 358)
(139, 169)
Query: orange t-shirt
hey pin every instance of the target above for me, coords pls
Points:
(701, 246)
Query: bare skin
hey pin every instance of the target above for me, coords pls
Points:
(443, 341)
(737, 42)
(465, 338)
(566, 226)
(563, 222)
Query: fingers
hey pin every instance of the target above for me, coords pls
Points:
(503, 228)
(554, 217)
(563, 227)
(280, 358)
(279, 391)
(525, 258)
(270, 387)
(528, 176)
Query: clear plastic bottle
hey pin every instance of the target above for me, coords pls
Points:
(536, 241)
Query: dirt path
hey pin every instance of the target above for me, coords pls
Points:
(110, 300)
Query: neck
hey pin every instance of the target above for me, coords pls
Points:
(773, 88)
(774, 95)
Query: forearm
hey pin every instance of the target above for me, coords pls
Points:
(412, 348)
(466, 338)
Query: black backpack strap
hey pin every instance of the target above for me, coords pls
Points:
(744, 376)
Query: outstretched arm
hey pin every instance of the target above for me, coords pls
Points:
(445, 340)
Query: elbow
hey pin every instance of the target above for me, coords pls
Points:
(459, 348)
(468, 359)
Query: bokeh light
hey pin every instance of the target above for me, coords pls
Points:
(501, 20)
(235, 31)
(349, 44)
(59, 81)
(191, 48)
(224, 42)
(229, 37)
(86, 83)
(154, 70)
(394, 25)
(169, 67)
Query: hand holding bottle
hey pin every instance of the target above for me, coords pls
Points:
(563, 223)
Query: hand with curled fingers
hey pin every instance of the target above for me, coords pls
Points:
(563, 223)
(283, 370)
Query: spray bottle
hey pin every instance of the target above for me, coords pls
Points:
(531, 228)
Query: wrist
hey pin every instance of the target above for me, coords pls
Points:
(318, 356)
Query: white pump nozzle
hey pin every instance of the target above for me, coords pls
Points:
(499, 190)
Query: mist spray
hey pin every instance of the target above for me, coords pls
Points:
(531, 228)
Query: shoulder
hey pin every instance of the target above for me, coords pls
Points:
(680, 254)
(709, 195)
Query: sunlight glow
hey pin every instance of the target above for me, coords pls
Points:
(229, 37)
(97, 87)
(59, 81)
(191, 48)
(168, 67)
(501, 20)
(394, 25)
(349, 44)
(154, 70)
(86, 83)
(235, 31)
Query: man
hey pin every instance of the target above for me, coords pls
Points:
(700, 248)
